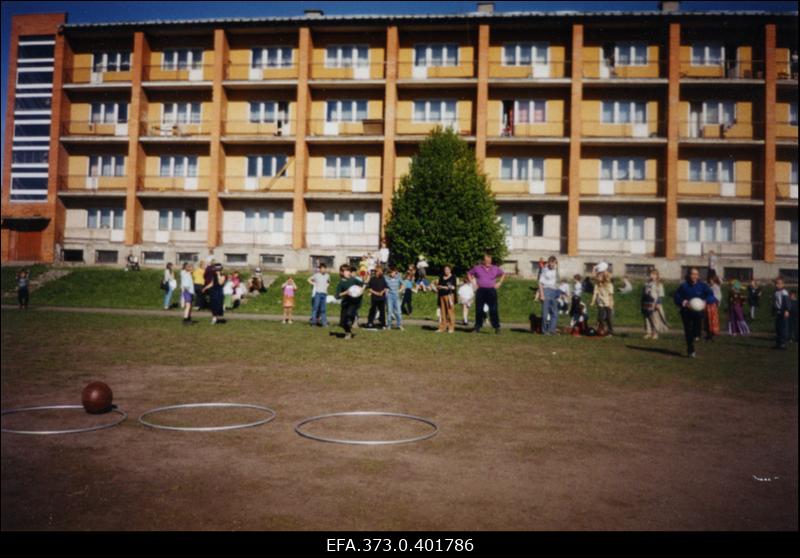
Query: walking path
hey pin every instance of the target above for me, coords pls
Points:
(302, 320)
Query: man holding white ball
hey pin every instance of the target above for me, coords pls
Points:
(349, 291)
(692, 297)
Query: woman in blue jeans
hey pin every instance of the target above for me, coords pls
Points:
(548, 283)
(169, 284)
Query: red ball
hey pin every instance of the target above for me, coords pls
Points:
(97, 398)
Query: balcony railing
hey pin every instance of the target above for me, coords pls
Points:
(84, 182)
(461, 69)
(608, 68)
(249, 128)
(409, 126)
(786, 129)
(332, 239)
(596, 186)
(176, 130)
(651, 128)
(546, 185)
(366, 127)
(505, 129)
(282, 183)
(738, 129)
(552, 69)
(747, 189)
(171, 183)
(643, 247)
(91, 128)
(369, 184)
(196, 72)
(95, 76)
(725, 249)
(786, 190)
(246, 72)
(727, 69)
(257, 238)
(357, 71)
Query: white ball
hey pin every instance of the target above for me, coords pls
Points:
(330, 299)
(355, 291)
(697, 304)
(601, 267)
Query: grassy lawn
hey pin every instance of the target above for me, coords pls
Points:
(114, 288)
(528, 423)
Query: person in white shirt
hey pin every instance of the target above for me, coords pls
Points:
(577, 286)
(187, 292)
(320, 282)
(548, 284)
(563, 297)
(383, 255)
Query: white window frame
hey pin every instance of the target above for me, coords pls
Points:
(442, 104)
(345, 161)
(616, 112)
(101, 164)
(104, 113)
(531, 110)
(115, 211)
(185, 221)
(619, 162)
(702, 224)
(427, 62)
(630, 46)
(517, 163)
(629, 221)
(171, 118)
(341, 59)
(264, 220)
(704, 175)
(793, 113)
(263, 62)
(273, 163)
(704, 119)
(340, 103)
(186, 159)
(278, 108)
(534, 48)
(706, 46)
(106, 65)
(174, 63)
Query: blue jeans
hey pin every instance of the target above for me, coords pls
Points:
(550, 311)
(168, 298)
(393, 310)
(319, 309)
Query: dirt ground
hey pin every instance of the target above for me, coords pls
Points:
(534, 451)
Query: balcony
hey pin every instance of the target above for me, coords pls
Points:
(104, 184)
(172, 184)
(195, 131)
(257, 238)
(545, 186)
(364, 129)
(366, 72)
(722, 249)
(643, 247)
(646, 131)
(501, 130)
(322, 185)
(281, 131)
(609, 71)
(337, 240)
(409, 73)
(728, 70)
(164, 237)
(541, 72)
(786, 131)
(740, 131)
(719, 192)
(598, 189)
(786, 190)
(197, 74)
(86, 129)
(102, 234)
(97, 76)
(415, 130)
(246, 72)
(259, 184)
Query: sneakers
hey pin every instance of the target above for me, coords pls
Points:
(348, 335)
(692, 355)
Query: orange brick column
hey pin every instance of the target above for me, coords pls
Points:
(671, 157)
(482, 99)
(574, 177)
(770, 75)
(389, 124)
(55, 229)
(300, 147)
(215, 149)
(133, 205)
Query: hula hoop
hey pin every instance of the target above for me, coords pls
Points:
(297, 428)
(123, 416)
(272, 413)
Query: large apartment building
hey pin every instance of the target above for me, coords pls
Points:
(639, 138)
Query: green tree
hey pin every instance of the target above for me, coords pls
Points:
(444, 208)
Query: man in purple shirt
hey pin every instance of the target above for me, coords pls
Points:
(484, 278)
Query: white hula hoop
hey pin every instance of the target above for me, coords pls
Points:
(122, 416)
(272, 416)
(299, 425)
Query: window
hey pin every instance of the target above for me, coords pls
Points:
(33, 78)
(271, 259)
(522, 224)
(524, 54)
(180, 113)
(266, 165)
(105, 218)
(106, 165)
(793, 113)
(33, 103)
(106, 256)
(346, 111)
(153, 257)
(182, 59)
(72, 255)
(111, 61)
(34, 51)
(711, 170)
(345, 167)
(431, 55)
(271, 57)
(624, 112)
(109, 113)
(32, 131)
(638, 270)
(28, 188)
(529, 111)
(630, 54)
(344, 222)
(238, 259)
(513, 168)
(710, 230)
(178, 166)
(263, 220)
(718, 112)
(268, 111)
(708, 54)
(177, 219)
(434, 110)
(793, 173)
(622, 168)
(40, 157)
(187, 257)
(623, 227)
(793, 231)
(346, 56)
